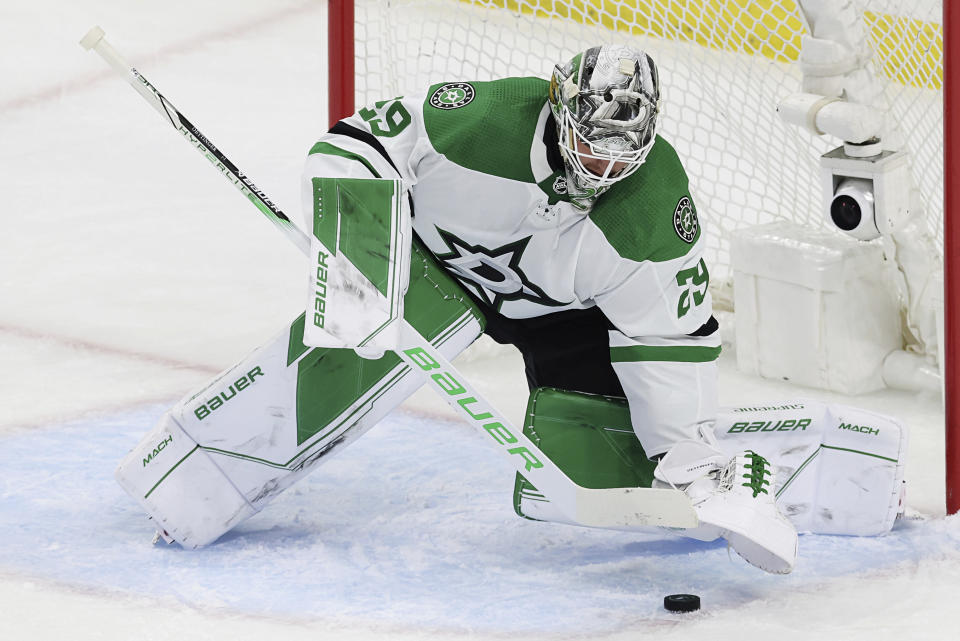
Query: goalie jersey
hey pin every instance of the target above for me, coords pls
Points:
(488, 189)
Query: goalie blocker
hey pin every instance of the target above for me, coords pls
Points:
(222, 454)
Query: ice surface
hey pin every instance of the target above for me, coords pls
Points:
(392, 533)
(130, 273)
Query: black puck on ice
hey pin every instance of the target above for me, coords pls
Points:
(681, 602)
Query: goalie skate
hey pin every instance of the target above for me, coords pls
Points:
(737, 503)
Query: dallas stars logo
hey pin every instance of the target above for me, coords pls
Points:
(685, 221)
(494, 274)
(453, 95)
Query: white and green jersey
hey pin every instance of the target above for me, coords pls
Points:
(489, 197)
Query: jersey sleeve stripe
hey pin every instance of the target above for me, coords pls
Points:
(676, 354)
(343, 129)
(332, 150)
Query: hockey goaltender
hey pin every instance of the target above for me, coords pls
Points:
(550, 215)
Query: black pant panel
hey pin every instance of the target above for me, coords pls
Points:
(567, 350)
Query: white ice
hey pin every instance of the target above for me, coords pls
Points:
(130, 273)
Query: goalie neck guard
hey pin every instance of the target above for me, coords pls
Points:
(605, 102)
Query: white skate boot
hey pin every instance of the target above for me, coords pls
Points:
(734, 501)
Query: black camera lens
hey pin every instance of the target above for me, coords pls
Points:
(845, 212)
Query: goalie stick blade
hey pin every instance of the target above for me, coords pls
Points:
(626, 507)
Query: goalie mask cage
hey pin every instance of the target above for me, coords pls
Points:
(724, 66)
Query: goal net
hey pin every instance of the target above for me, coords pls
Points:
(724, 66)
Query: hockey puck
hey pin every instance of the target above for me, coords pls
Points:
(681, 602)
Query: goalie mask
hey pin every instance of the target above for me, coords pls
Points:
(605, 103)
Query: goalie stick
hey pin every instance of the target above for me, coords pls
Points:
(613, 507)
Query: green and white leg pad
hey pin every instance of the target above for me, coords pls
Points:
(223, 453)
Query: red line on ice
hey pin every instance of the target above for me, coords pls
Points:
(109, 350)
(186, 46)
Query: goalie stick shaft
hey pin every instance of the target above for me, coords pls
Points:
(608, 507)
(95, 40)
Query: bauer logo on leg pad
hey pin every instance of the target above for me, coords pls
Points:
(205, 409)
(784, 425)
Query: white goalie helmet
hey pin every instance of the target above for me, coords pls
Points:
(605, 102)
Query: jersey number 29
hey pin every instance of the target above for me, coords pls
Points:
(389, 122)
(695, 281)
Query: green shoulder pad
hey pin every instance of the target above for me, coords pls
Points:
(486, 126)
(650, 215)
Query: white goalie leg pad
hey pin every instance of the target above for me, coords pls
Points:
(163, 473)
(840, 469)
(224, 453)
(860, 488)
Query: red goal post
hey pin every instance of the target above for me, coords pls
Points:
(951, 250)
(378, 50)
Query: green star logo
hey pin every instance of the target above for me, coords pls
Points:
(452, 96)
(493, 274)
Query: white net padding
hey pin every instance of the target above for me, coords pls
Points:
(724, 66)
